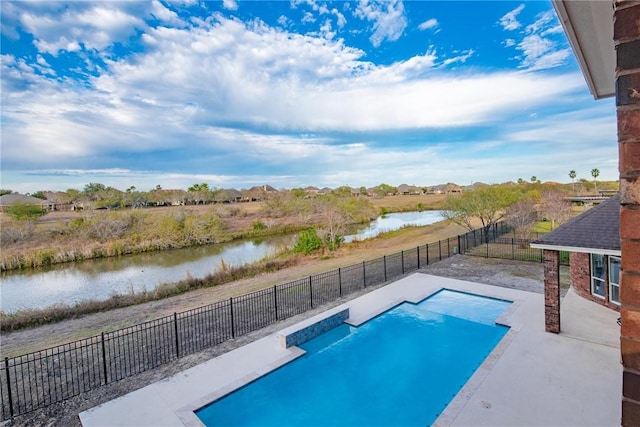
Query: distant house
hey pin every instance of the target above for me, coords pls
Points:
(593, 242)
(408, 189)
(324, 190)
(258, 192)
(311, 190)
(228, 195)
(7, 200)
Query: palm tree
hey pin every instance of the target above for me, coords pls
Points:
(534, 179)
(572, 175)
(595, 173)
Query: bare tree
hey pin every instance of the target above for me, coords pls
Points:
(556, 206)
(521, 216)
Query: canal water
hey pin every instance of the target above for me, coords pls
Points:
(102, 278)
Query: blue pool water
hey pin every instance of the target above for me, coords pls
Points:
(401, 368)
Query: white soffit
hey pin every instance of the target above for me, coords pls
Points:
(588, 25)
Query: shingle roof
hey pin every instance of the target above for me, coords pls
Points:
(10, 199)
(597, 228)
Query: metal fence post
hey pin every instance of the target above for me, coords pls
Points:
(402, 260)
(233, 329)
(6, 369)
(427, 250)
(364, 274)
(513, 249)
(340, 280)
(418, 250)
(459, 245)
(311, 291)
(104, 358)
(384, 262)
(440, 249)
(275, 299)
(175, 329)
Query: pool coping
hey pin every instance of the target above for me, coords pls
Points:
(207, 382)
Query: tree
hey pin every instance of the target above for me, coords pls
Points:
(39, 195)
(4, 191)
(534, 179)
(556, 206)
(521, 216)
(384, 189)
(485, 204)
(520, 180)
(93, 187)
(200, 193)
(595, 173)
(363, 191)
(572, 175)
(342, 191)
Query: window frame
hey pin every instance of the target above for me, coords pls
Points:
(593, 279)
(611, 283)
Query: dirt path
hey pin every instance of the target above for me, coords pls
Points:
(28, 340)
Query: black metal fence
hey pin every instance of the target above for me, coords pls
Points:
(498, 244)
(39, 379)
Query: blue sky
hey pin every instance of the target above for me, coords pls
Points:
(293, 93)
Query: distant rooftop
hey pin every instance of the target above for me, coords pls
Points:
(595, 231)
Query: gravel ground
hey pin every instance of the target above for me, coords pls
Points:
(506, 273)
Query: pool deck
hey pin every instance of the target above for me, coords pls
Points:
(531, 378)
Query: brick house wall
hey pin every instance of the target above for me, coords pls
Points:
(580, 277)
(626, 35)
(551, 261)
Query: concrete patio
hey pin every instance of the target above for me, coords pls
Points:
(531, 378)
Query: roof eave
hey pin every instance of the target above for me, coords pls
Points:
(589, 28)
(613, 252)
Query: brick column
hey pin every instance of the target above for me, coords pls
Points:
(627, 41)
(551, 290)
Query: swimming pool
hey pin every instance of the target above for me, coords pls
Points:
(400, 368)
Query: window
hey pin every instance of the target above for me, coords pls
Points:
(597, 275)
(614, 280)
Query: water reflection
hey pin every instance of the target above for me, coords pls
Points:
(101, 278)
(395, 221)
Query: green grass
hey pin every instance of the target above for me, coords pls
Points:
(542, 227)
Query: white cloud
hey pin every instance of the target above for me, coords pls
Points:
(388, 19)
(308, 17)
(462, 58)
(557, 29)
(428, 24)
(94, 26)
(540, 50)
(539, 53)
(510, 20)
(230, 4)
(164, 14)
(543, 19)
(192, 82)
(284, 21)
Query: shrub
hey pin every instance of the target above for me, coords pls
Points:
(308, 241)
(23, 211)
